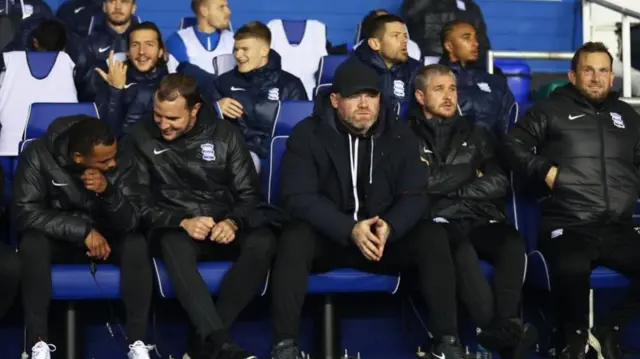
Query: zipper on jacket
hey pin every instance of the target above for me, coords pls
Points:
(603, 164)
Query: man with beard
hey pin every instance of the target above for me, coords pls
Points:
(352, 181)
(583, 143)
(107, 36)
(385, 51)
(483, 96)
(200, 43)
(201, 200)
(467, 189)
(71, 205)
(126, 95)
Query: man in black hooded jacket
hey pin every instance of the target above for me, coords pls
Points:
(354, 185)
(467, 189)
(583, 143)
(71, 205)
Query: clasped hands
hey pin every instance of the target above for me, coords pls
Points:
(201, 228)
(370, 236)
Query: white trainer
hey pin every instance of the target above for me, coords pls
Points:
(139, 350)
(42, 350)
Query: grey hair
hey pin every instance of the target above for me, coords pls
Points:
(424, 76)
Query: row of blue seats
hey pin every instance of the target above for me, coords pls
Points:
(75, 282)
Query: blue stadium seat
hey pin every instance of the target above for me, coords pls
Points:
(211, 272)
(291, 112)
(328, 66)
(42, 114)
(187, 22)
(518, 76)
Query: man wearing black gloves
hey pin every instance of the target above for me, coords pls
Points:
(205, 202)
(354, 184)
(70, 205)
(584, 144)
(467, 190)
(126, 94)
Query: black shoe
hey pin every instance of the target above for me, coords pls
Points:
(576, 347)
(229, 350)
(510, 337)
(448, 347)
(609, 339)
(286, 349)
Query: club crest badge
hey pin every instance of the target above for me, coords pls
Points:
(208, 152)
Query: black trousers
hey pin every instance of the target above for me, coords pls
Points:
(130, 253)
(252, 252)
(9, 277)
(301, 249)
(571, 255)
(500, 245)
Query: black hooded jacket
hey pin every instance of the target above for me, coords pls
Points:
(316, 174)
(49, 196)
(456, 152)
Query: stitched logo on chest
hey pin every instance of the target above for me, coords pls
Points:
(208, 152)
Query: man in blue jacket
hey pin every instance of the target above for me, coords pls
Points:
(257, 79)
(483, 96)
(77, 15)
(352, 180)
(109, 35)
(386, 52)
(32, 12)
(126, 92)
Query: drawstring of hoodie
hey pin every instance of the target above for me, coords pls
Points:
(353, 162)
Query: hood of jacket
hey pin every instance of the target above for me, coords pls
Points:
(56, 139)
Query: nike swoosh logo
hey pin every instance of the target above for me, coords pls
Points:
(571, 118)
(157, 152)
(438, 356)
(129, 85)
(58, 184)
(78, 9)
(237, 89)
(103, 49)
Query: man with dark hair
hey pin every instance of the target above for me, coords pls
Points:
(206, 203)
(110, 35)
(78, 15)
(467, 189)
(353, 183)
(22, 84)
(385, 50)
(70, 205)
(583, 143)
(426, 19)
(201, 43)
(126, 92)
(483, 96)
(257, 79)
